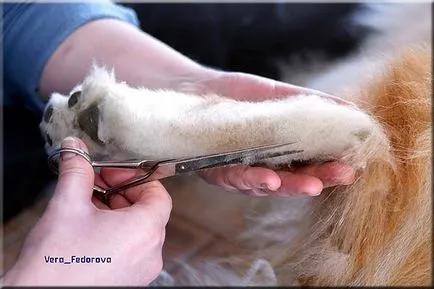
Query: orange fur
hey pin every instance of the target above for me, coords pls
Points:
(378, 230)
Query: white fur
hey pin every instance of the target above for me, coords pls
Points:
(166, 124)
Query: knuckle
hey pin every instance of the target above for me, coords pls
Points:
(227, 177)
(155, 229)
(162, 200)
(73, 170)
(206, 174)
(153, 236)
(169, 201)
(158, 266)
(236, 177)
(242, 171)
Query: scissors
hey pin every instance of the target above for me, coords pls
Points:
(157, 170)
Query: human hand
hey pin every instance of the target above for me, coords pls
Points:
(309, 180)
(130, 230)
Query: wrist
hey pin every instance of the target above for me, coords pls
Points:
(17, 275)
(31, 269)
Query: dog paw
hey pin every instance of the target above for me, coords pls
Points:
(117, 121)
(67, 115)
(80, 114)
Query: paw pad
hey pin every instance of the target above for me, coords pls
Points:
(73, 99)
(362, 134)
(48, 113)
(48, 139)
(88, 121)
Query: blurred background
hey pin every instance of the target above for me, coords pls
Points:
(252, 37)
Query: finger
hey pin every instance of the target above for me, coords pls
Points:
(330, 173)
(299, 184)
(244, 86)
(336, 99)
(256, 88)
(151, 197)
(292, 185)
(113, 177)
(310, 180)
(280, 89)
(76, 175)
(284, 89)
(118, 201)
(99, 204)
(242, 178)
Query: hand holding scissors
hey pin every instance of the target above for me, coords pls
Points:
(156, 170)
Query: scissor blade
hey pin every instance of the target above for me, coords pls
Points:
(245, 156)
(170, 168)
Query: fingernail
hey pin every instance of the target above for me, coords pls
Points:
(69, 142)
(258, 193)
(348, 174)
(313, 194)
(345, 177)
(267, 187)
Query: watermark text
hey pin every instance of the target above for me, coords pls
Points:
(77, 260)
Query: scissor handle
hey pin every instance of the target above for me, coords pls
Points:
(128, 164)
(132, 182)
(53, 161)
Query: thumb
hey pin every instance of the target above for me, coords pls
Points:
(76, 175)
(152, 199)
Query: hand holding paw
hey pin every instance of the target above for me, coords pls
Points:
(256, 181)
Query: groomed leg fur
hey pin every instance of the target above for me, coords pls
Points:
(118, 121)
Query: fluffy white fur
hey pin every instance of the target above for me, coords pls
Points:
(138, 122)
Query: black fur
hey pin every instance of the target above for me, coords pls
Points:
(251, 37)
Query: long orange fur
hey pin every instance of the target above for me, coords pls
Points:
(378, 230)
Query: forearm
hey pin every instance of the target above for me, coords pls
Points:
(138, 58)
